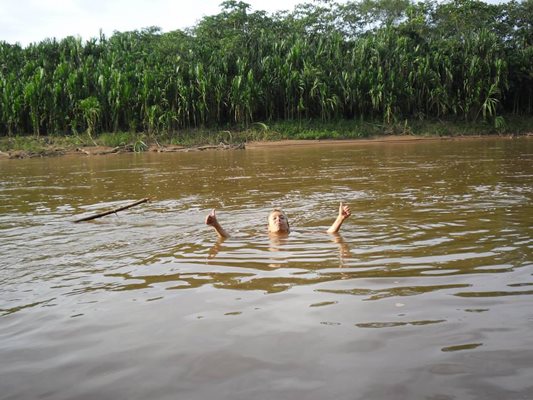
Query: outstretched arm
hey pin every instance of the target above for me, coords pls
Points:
(211, 220)
(344, 212)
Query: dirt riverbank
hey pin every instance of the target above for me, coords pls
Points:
(103, 150)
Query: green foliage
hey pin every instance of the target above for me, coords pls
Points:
(117, 139)
(139, 146)
(499, 124)
(385, 61)
(33, 144)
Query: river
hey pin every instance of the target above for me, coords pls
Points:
(426, 292)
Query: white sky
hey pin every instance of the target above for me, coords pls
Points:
(26, 21)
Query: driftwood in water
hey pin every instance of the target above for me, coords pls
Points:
(103, 214)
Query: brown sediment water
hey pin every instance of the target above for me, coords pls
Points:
(425, 293)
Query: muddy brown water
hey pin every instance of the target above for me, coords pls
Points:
(425, 294)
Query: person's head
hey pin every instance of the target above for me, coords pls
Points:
(278, 222)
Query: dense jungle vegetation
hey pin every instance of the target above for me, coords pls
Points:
(371, 60)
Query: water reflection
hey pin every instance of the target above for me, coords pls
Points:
(283, 252)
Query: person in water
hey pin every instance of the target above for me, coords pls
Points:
(278, 223)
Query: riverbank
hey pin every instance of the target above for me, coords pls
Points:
(107, 150)
(52, 151)
(372, 140)
(285, 133)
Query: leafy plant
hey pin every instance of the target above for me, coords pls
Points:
(91, 112)
(381, 61)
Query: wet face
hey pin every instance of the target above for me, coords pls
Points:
(277, 222)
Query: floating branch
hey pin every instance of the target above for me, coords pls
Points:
(103, 214)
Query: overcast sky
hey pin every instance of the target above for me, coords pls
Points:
(26, 21)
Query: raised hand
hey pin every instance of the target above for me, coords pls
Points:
(344, 211)
(211, 219)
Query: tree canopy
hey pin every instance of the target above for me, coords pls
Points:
(374, 59)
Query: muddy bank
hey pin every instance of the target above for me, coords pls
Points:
(104, 150)
(377, 139)
(372, 140)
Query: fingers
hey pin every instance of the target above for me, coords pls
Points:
(347, 211)
(344, 211)
(211, 218)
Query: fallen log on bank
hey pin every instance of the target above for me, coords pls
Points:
(103, 214)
